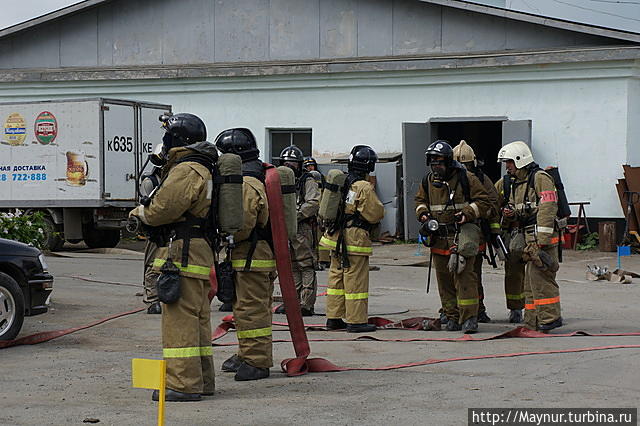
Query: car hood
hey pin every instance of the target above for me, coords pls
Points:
(13, 248)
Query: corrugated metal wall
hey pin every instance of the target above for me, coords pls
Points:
(155, 32)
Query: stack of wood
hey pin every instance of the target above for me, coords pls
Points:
(629, 193)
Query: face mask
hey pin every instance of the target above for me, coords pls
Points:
(167, 142)
(439, 170)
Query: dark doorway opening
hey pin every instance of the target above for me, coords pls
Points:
(485, 137)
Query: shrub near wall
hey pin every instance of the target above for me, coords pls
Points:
(26, 228)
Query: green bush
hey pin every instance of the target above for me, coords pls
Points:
(26, 228)
(589, 242)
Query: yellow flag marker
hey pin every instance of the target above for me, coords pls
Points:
(150, 374)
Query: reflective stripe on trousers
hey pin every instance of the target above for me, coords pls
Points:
(194, 269)
(256, 332)
(354, 249)
(187, 352)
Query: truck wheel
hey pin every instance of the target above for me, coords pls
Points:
(111, 238)
(11, 307)
(105, 238)
(54, 240)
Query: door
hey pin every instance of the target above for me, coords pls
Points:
(119, 152)
(416, 137)
(150, 131)
(516, 130)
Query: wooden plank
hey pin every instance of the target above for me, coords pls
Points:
(621, 186)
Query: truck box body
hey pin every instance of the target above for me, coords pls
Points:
(60, 156)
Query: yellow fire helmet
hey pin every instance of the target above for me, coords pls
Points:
(463, 153)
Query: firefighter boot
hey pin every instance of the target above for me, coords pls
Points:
(443, 319)
(306, 312)
(483, 317)
(154, 308)
(336, 324)
(360, 328)
(175, 396)
(249, 372)
(470, 326)
(232, 364)
(452, 325)
(515, 316)
(545, 328)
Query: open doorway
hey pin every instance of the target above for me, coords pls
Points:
(485, 134)
(485, 137)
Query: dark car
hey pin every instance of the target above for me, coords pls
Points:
(25, 285)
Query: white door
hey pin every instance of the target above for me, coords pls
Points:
(119, 152)
(416, 137)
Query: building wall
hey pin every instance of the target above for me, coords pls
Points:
(582, 119)
(164, 32)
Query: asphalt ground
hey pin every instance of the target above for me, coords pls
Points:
(87, 375)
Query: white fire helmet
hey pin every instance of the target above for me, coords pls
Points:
(517, 151)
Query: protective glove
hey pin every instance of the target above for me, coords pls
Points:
(456, 263)
(531, 254)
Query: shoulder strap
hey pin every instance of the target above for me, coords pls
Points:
(531, 183)
(425, 186)
(464, 182)
(506, 188)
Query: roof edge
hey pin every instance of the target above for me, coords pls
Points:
(563, 24)
(74, 8)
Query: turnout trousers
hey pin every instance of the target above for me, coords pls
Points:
(458, 292)
(514, 284)
(542, 294)
(150, 277)
(252, 312)
(186, 339)
(348, 292)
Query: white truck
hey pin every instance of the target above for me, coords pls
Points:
(78, 162)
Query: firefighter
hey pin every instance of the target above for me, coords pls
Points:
(532, 204)
(150, 278)
(176, 220)
(323, 253)
(490, 225)
(148, 183)
(450, 202)
(350, 244)
(304, 256)
(253, 262)
(513, 268)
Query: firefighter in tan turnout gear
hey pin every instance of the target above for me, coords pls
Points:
(304, 256)
(513, 267)
(489, 225)
(350, 244)
(253, 262)
(532, 204)
(175, 218)
(449, 203)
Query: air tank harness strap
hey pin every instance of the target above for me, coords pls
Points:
(356, 221)
(256, 235)
(186, 230)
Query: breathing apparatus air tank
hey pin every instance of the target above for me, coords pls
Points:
(229, 182)
(332, 195)
(288, 188)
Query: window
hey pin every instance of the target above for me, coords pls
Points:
(280, 139)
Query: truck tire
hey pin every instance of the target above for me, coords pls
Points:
(111, 238)
(54, 240)
(11, 307)
(101, 238)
